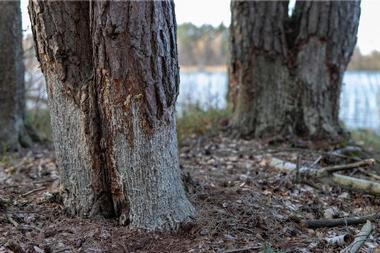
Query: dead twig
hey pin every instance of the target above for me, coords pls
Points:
(316, 162)
(320, 223)
(347, 150)
(360, 239)
(62, 250)
(298, 166)
(33, 191)
(331, 169)
(377, 177)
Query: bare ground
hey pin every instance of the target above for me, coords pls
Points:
(243, 205)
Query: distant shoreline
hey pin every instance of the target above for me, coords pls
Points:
(223, 68)
(216, 68)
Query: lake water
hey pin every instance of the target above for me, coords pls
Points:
(360, 98)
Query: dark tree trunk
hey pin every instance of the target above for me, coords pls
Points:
(286, 72)
(12, 90)
(112, 77)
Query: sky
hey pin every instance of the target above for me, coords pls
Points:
(215, 12)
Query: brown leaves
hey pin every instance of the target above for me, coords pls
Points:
(242, 204)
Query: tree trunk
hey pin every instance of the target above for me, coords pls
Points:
(112, 77)
(12, 90)
(286, 72)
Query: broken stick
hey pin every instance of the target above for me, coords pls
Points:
(357, 184)
(347, 221)
(339, 239)
(377, 177)
(33, 191)
(360, 239)
(284, 165)
(328, 170)
(291, 167)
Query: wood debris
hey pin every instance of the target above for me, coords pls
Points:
(360, 239)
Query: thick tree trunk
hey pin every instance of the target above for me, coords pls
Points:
(12, 90)
(112, 76)
(286, 72)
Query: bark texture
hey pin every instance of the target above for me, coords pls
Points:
(286, 72)
(12, 90)
(112, 77)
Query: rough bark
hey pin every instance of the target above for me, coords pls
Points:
(112, 77)
(286, 72)
(12, 90)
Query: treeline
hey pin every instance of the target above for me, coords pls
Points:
(202, 46)
(365, 62)
(208, 46)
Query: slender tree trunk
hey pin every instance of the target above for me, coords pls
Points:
(112, 77)
(286, 72)
(12, 90)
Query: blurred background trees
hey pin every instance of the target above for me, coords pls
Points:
(362, 62)
(203, 57)
(286, 71)
(207, 45)
(202, 46)
(13, 133)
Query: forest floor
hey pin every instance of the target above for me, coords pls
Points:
(244, 205)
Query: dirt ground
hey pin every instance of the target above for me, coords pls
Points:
(243, 205)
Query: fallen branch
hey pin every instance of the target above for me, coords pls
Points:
(377, 177)
(347, 151)
(343, 154)
(347, 221)
(360, 239)
(325, 171)
(357, 184)
(284, 165)
(331, 169)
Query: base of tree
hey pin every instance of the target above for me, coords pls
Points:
(24, 139)
(340, 137)
(241, 202)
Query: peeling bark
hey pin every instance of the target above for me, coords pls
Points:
(286, 72)
(12, 90)
(112, 76)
